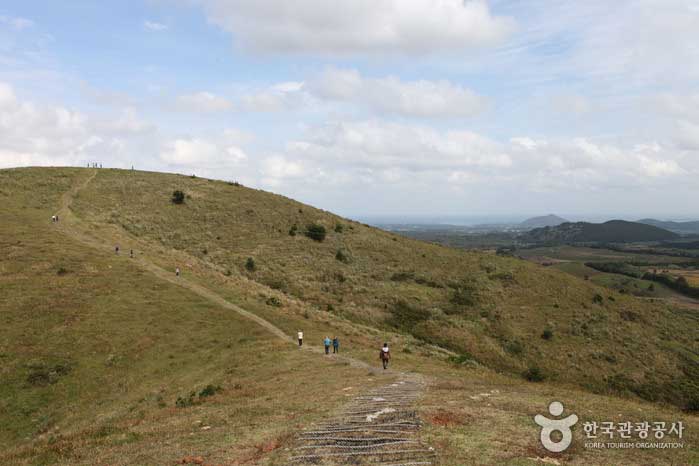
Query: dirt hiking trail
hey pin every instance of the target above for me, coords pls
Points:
(379, 427)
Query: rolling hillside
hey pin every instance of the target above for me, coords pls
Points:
(98, 349)
(613, 231)
(543, 221)
(686, 228)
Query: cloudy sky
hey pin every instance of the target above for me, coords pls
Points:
(369, 107)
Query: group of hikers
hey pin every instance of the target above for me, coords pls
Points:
(384, 353)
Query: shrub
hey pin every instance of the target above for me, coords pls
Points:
(316, 232)
(185, 401)
(273, 301)
(339, 228)
(514, 347)
(402, 276)
(597, 298)
(292, 231)
(533, 374)
(61, 271)
(463, 358)
(464, 295)
(547, 334)
(342, 256)
(178, 197)
(250, 265)
(209, 390)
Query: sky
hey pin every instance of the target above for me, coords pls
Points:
(369, 107)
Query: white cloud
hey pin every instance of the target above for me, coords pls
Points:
(210, 155)
(278, 97)
(154, 26)
(16, 22)
(204, 102)
(277, 168)
(377, 152)
(378, 145)
(189, 152)
(688, 135)
(358, 26)
(391, 95)
(32, 134)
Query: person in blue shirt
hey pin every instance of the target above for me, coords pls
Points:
(327, 342)
(336, 345)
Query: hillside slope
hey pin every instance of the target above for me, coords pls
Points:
(613, 231)
(493, 309)
(97, 349)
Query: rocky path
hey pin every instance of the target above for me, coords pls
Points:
(380, 427)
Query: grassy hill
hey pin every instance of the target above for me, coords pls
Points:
(543, 221)
(98, 348)
(613, 231)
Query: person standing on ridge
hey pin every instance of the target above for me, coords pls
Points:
(116, 249)
(177, 271)
(336, 345)
(327, 342)
(300, 335)
(385, 355)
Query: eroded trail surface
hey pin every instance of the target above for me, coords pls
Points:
(379, 427)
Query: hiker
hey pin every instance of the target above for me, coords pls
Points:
(385, 355)
(336, 345)
(56, 218)
(53, 218)
(177, 271)
(116, 249)
(327, 342)
(131, 254)
(300, 335)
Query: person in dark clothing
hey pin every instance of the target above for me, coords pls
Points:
(336, 345)
(116, 250)
(385, 355)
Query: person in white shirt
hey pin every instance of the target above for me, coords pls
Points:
(385, 355)
(300, 335)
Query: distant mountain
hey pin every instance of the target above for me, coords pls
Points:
(677, 227)
(543, 221)
(614, 231)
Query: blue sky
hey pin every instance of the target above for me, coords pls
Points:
(425, 107)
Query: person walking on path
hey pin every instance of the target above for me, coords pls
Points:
(385, 356)
(116, 249)
(300, 335)
(336, 345)
(131, 255)
(327, 342)
(177, 271)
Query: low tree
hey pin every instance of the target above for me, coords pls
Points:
(316, 232)
(178, 197)
(250, 265)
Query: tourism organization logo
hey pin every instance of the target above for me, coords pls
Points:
(606, 434)
(549, 426)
